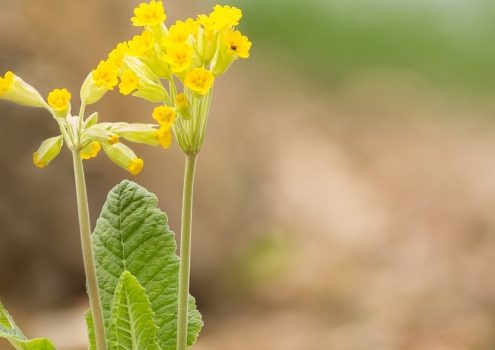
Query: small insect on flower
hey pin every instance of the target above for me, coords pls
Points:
(59, 99)
(199, 80)
(149, 14)
(238, 44)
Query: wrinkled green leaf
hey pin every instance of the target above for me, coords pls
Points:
(132, 235)
(132, 326)
(10, 331)
(91, 330)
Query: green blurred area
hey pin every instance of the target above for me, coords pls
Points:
(451, 43)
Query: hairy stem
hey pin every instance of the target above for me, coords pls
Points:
(185, 252)
(87, 250)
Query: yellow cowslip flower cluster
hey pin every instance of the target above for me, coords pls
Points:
(83, 136)
(174, 66)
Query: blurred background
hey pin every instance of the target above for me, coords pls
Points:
(345, 193)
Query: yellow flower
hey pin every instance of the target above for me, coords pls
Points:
(199, 80)
(179, 57)
(6, 82)
(164, 115)
(222, 17)
(180, 31)
(149, 14)
(105, 75)
(135, 166)
(59, 99)
(116, 56)
(164, 137)
(238, 44)
(128, 82)
(141, 45)
(90, 151)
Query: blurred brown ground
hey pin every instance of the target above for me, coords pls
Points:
(357, 218)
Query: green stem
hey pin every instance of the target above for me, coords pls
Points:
(87, 250)
(185, 252)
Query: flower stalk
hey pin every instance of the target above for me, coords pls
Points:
(185, 251)
(87, 251)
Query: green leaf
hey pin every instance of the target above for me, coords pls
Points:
(132, 235)
(91, 330)
(10, 331)
(132, 326)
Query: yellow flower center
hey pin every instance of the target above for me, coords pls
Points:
(59, 99)
(179, 56)
(180, 31)
(199, 80)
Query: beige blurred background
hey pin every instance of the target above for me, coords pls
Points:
(345, 194)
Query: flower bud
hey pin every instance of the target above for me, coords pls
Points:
(48, 151)
(14, 89)
(138, 133)
(91, 120)
(101, 134)
(150, 88)
(90, 93)
(183, 106)
(124, 157)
